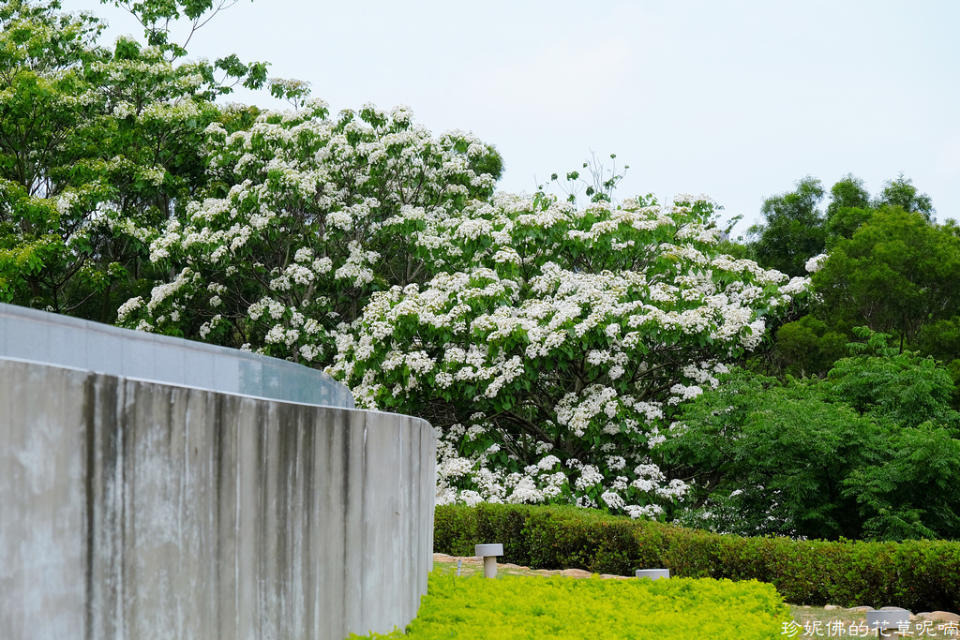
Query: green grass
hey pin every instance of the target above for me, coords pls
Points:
(519, 606)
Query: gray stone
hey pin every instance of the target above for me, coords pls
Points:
(887, 618)
(653, 574)
(139, 510)
(939, 616)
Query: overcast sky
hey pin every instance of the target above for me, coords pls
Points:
(737, 100)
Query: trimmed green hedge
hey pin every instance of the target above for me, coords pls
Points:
(918, 575)
(528, 607)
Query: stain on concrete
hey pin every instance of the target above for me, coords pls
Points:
(198, 514)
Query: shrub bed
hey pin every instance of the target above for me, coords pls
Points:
(559, 607)
(917, 575)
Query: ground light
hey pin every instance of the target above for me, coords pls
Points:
(653, 574)
(489, 553)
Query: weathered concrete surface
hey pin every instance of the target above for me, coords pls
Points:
(50, 338)
(135, 510)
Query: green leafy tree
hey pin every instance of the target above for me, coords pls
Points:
(307, 215)
(99, 148)
(160, 18)
(46, 108)
(895, 274)
(941, 339)
(912, 491)
(901, 388)
(770, 458)
(871, 451)
(848, 209)
(808, 346)
(848, 193)
(793, 230)
(901, 193)
(811, 346)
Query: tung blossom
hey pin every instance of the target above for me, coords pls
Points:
(588, 354)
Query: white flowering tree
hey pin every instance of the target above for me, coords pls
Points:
(308, 215)
(98, 148)
(552, 351)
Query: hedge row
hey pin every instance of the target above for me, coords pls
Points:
(918, 575)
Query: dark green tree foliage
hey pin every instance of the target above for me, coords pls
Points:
(901, 193)
(912, 492)
(808, 346)
(772, 457)
(848, 193)
(793, 229)
(845, 221)
(870, 452)
(889, 268)
(898, 388)
(941, 339)
(848, 208)
(895, 274)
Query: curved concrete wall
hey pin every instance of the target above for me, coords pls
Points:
(138, 510)
(39, 336)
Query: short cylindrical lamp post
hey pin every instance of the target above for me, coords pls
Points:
(489, 553)
(653, 574)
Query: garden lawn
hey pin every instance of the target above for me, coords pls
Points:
(516, 606)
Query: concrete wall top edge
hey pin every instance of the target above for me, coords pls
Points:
(204, 389)
(48, 338)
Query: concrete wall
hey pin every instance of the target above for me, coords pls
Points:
(137, 510)
(38, 336)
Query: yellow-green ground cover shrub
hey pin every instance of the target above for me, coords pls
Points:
(561, 607)
(918, 574)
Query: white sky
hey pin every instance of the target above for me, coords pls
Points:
(735, 99)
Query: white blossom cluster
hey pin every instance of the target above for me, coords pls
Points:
(553, 351)
(549, 345)
(309, 214)
(815, 263)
